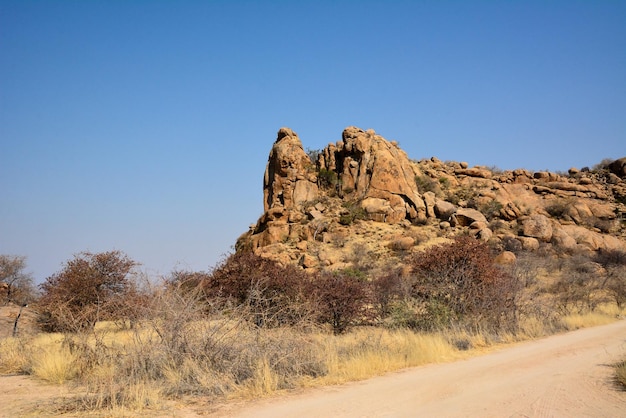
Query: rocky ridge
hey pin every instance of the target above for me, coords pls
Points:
(362, 203)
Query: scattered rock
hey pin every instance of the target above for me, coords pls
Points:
(505, 258)
(538, 226)
(444, 210)
(466, 216)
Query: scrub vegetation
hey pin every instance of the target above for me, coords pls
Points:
(251, 327)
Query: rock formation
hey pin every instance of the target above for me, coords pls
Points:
(289, 178)
(379, 174)
(363, 200)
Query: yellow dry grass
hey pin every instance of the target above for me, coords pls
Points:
(359, 354)
(620, 374)
(13, 357)
(55, 364)
(370, 351)
(602, 315)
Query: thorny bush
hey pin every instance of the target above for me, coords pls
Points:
(459, 284)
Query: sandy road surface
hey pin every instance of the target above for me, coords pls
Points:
(565, 375)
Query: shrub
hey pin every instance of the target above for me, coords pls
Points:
(386, 289)
(444, 182)
(491, 209)
(602, 165)
(271, 294)
(466, 195)
(426, 184)
(90, 288)
(579, 286)
(606, 226)
(608, 257)
(616, 284)
(459, 283)
(558, 209)
(340, 299)
(313, 154)
(511, 244)
(353, 211)
(614, 262)
(327, 179)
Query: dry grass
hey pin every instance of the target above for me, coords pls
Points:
(620, 374)
(29, 354)
(370, 351)
(55, 364)
(602, 315)
(184, 353)
(531, 327)
(13, 357)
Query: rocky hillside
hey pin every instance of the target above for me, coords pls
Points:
(362, 203)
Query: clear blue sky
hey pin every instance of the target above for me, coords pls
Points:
(145, 126)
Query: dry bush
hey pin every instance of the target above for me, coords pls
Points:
(458, 283)
(17, 286)
(512, 244)
(614, 263)
(559, 209)
(427, 184)
(526, 269)
(272, 294)
(610, 257)
(386, 290)
(490, 208)
(339, 298)
(182, 347)
(579, 286)
(90, 288)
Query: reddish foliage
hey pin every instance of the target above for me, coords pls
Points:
(460, 283)
(340, 299)
(91, 287)
(272, 293)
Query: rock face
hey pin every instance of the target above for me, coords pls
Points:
(289, 178)
(618, 167)
(363, 199)
(378, 173)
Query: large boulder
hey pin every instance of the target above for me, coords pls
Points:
(444, 210)
(290, 180)
(505, 258)
(618, 167)
(537, 226)
(467, 216)
(563, 240)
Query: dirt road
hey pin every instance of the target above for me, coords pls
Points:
(567, 375)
